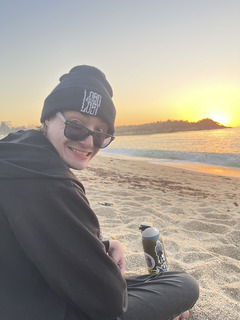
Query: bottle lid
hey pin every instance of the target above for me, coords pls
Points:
(145, 225)
(150, 233)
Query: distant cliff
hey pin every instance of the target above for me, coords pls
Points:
(168, 126)
(5, 128)
(148, 128)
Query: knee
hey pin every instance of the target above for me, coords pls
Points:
(190, 288)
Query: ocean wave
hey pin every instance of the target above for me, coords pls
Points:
(217, 159)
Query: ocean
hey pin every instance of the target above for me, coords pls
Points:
(217, 151)
(206, 148)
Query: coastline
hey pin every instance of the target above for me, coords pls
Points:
(203, 168)
(192, 166)
(196, 212)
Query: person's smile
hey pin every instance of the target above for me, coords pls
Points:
(76, 154)
(79, 152)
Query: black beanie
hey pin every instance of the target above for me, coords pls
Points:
(84, 89)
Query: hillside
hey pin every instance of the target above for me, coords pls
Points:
(168, 126)
(6, 128)
(148, 128)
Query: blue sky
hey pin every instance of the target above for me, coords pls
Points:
(175, 59)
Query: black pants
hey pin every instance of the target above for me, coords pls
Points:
(160, 297)
(156, 297)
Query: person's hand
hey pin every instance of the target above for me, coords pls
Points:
(117, 254)
(184, 315)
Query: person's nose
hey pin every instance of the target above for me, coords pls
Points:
(88, 142)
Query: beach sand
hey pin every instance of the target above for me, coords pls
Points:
(198, 215)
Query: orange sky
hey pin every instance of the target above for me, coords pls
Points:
(165, 60)
(220, 102)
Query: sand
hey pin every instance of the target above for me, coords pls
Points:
(197, 213)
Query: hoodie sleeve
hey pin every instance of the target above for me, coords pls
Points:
(60, 234)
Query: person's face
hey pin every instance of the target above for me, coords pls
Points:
(76, 154)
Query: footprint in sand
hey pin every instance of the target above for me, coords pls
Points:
(121, 193)
(205, 209)
(232, 291)
(177, 211)
(175, 265)
(144, 198)
(229, 222)
(205, 227)
(217, 216)
(230, 251)
(140, 214)
(235, 236)
(230, 270)
(165, 203)
(220, 219)
(131, 203)
(196, 256)
(171, 246)
(203, 204)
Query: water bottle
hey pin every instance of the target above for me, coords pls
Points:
(153, 248)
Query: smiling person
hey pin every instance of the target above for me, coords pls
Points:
(54, 264)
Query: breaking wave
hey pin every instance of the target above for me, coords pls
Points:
(217, 159)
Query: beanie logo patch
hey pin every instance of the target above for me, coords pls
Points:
(91, 103)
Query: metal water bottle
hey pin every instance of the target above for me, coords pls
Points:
(153, 248)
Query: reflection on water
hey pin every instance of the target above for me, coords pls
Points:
(211, 141)
(219, 148)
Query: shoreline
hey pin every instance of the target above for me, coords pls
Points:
(197, 213)
(194, 166)
(204, 168)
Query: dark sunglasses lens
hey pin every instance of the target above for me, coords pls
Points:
(98, 140)
(75, 132)
(101, 141)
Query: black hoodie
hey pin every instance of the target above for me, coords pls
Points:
(53, 265)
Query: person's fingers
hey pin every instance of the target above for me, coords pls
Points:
(184, 315)
(122, 266)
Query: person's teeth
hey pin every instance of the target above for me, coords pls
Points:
(80, 152)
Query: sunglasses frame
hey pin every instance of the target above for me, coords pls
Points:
(89, 132)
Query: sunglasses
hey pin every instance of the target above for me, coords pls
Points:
(76, 132)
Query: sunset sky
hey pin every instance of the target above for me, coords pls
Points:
(171, 59)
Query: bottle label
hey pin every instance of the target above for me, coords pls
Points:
(153, 249)
(161, 256)
(149, 260)
(155, 256)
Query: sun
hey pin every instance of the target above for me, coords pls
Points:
(218, 117)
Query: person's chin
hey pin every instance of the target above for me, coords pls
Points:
(77, 162)
(78, 165)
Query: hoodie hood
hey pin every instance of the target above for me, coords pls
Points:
(19, 158)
